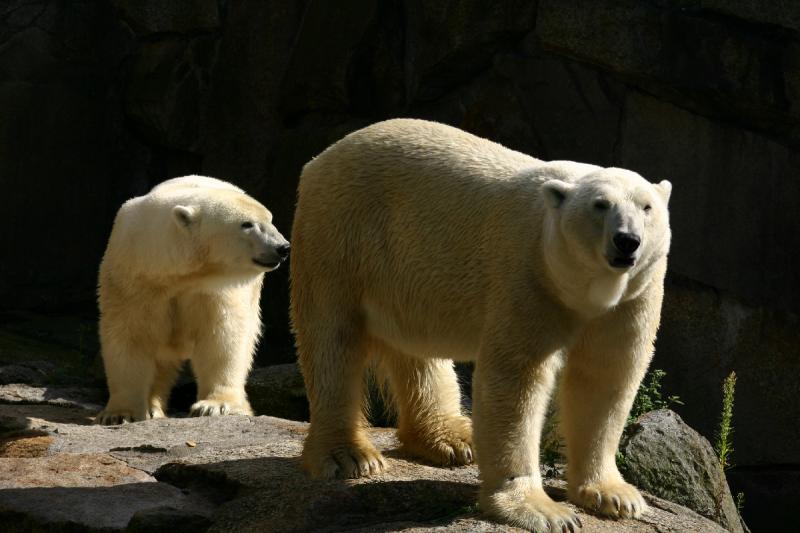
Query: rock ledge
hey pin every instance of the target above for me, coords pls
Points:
(233, 474)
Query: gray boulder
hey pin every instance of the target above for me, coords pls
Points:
(278, 390)
(667, 458)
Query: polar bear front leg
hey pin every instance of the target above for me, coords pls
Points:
(223, 352)
(165, 374)
(428, 401)
(511, 394)
(221, 371)
(601, 379)
(130, 377)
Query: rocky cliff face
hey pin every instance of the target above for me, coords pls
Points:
(101, 100)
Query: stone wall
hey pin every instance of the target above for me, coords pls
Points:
(101, 100)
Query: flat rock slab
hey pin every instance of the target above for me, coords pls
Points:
(96, 491)
(234, 473)
(78, 397)
(68, 470)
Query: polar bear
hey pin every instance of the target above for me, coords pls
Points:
(414, 242)
(181, 278)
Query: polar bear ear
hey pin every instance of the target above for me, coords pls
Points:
(184, 215)
(665, 189)
(556, 191)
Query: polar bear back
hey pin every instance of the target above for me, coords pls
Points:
(388, 188)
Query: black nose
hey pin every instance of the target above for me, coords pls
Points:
(283, 251)
(627, 243)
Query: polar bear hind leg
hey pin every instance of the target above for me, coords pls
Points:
(427, 398)
(333, 359)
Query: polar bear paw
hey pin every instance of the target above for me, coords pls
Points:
(449, 443)
(344, 461)
(219, 408)
(616, 499)
(156, 411)
(112, 417)
(519, 504)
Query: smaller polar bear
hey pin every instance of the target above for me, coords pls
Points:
(414, 242)
(181, 278)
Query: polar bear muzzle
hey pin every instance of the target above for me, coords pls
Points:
(273, 258)
(625, 246)
(272, 254)
(268, 248)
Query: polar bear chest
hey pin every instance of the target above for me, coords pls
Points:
(605, 292)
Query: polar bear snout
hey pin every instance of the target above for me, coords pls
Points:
(283, 250)
(268, 248)
(625, 246)
(272, 255)
(627, 243)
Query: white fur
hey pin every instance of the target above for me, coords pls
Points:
(414, 241)
(177, 282)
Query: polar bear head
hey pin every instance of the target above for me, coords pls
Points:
(605, 226)
(612, 218)
(230, 231)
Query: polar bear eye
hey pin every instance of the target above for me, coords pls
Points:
(247, 225)
(647, 208)
(601, 205)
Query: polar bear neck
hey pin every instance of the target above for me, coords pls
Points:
(589, 292)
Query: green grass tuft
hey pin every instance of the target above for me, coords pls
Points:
(724, 443)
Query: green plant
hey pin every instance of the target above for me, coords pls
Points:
(551, 456)
(724, 443)
(622, 461)
(552, 444)
(740, 502)
(649, 398)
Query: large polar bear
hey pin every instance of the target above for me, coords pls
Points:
(181, 278)
(413, 242)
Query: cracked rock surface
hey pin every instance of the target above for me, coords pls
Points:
(58, 472)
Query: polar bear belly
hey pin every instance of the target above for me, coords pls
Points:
(420, 335)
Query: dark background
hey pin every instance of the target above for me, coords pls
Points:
(99, 101)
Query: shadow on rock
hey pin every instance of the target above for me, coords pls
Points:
(133, 506)
(275, 491)
(19, 417)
